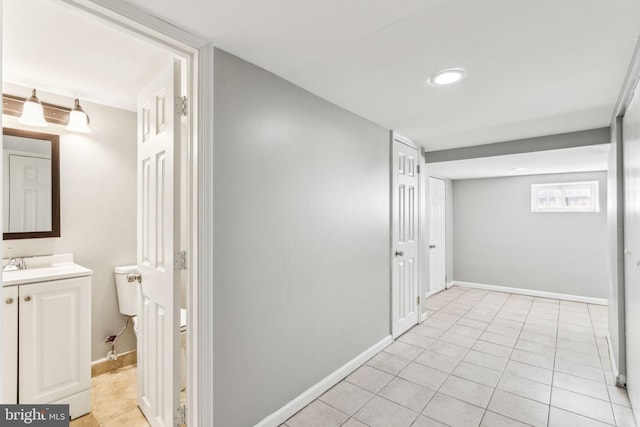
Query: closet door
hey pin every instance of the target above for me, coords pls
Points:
(405, 234)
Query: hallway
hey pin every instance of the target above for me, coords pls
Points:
(484, 359)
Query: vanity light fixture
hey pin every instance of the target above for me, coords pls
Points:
(75, 119)
(32, 112)
(446, 77)
(78, 119)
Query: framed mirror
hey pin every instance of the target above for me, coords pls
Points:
(31, 184)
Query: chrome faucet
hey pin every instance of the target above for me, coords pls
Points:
(15, 264)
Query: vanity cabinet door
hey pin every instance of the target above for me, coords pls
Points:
(10, 345)
(54, 333)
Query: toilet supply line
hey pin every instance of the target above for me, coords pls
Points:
(111, 339)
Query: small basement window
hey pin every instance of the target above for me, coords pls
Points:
(565, 197)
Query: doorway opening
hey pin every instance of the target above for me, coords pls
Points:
(101, 167)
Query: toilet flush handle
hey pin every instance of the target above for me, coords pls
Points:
(133, 277)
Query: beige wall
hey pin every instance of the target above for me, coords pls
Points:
(97, 204)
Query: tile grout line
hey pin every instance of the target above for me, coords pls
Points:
(467, 350)
(553, 371)
(437, 390)
(509, 358)
(606, 384)
(461, 360)
(505, 366)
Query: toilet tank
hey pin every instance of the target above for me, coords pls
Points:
(127, 291)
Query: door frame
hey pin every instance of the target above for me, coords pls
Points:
(617, 296)
(198, 54)
(421, 311)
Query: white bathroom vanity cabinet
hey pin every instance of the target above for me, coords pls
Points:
(47, 334)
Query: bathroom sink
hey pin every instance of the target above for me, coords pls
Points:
(44, 268)
(30, 273)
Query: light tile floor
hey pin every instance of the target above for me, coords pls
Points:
(113, 401)
(486, 359)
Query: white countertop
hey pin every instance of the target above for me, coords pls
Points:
(43, 269)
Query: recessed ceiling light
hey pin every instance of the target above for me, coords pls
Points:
(519, 169)
(446, 77)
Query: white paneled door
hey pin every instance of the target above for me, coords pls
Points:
(437, 249)
(158, 240)
(29, 193)
(631, 150)
(405, 230)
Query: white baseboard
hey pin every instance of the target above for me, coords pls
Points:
(423, 317)
(435, 291)
(315, 391)
(541, 294)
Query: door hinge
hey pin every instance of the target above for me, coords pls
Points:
(182, 105)
(418, 169)
(180, 261)
(418, 300)
(181, 416)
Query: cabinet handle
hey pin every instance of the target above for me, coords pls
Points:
(27, 299)
(9, 301)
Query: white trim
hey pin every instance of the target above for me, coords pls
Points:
(533, 293)
(125, 16)
(201, 413)
(406, 141)
(435, 291)
(423, 317)
(448, 285)
(612, 361)
(315, 391)
(198, 52)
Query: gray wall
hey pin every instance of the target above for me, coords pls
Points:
(97, 208)
(499, 241)
(302, 240)
(527, 145)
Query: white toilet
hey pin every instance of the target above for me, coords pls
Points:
(128, 303)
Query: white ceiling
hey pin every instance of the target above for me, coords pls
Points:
(55, 48)
(577, 159)
(534, 68)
